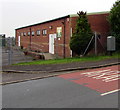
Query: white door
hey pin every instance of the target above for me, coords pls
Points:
(18, 40)
(51, 43)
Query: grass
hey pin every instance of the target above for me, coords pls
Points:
(70, 60)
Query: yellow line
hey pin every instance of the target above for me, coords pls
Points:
(110, 92)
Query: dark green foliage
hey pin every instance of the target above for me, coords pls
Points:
(114, 19)
(82, 35)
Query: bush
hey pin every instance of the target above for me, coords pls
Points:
(82, 35)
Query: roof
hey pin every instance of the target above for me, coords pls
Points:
(45, 22)
(71, 15)
(94, 13)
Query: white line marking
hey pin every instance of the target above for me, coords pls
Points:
(110, 92)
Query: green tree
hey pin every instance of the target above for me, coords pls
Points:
(114, 19)
(82, 34)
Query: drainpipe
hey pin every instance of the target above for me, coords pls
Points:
(30, 39)
(64, 52)
(95, 43)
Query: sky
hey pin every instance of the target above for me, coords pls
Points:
(19, 13)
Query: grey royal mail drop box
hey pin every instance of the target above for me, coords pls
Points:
(111, 43)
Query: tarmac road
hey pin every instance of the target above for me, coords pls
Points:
(55, 93)
(63, 91)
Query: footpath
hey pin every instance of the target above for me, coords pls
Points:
(14, 74)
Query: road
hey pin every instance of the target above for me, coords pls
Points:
(96, 88)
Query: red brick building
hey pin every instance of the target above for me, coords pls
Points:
(53, 36)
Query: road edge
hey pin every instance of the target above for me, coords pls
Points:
(53, 75)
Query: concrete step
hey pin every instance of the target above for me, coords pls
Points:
(49, 56)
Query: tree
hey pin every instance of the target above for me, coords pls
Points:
(114, 19)
(82, 34)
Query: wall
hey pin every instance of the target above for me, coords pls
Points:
(42, 42)
(98, 23)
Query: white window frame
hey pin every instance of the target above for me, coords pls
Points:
(33, 33)
(44, 31)
(24, 34)
(28, 33)
(38, 32)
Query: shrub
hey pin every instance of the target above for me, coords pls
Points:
(82, 34)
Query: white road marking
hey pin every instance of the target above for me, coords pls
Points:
(105, 75)
(110, 92)
(112, 79)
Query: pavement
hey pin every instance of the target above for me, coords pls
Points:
(14, 74)
(59, 67)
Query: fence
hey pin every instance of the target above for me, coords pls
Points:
(11, 53)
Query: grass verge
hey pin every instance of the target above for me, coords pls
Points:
(70, 60)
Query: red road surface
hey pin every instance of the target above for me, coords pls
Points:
(101, 79)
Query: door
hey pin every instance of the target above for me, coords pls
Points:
(51, 43)
(18, 40)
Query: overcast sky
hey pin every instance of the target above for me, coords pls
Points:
(18, 13)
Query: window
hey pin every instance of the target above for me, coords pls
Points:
(24, 33)
(28, 33)
(38, 32)
(21, 33)
(44, 32)
(59, 31)
(33, 33)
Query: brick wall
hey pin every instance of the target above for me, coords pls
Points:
(42, 41)
(98, 23)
